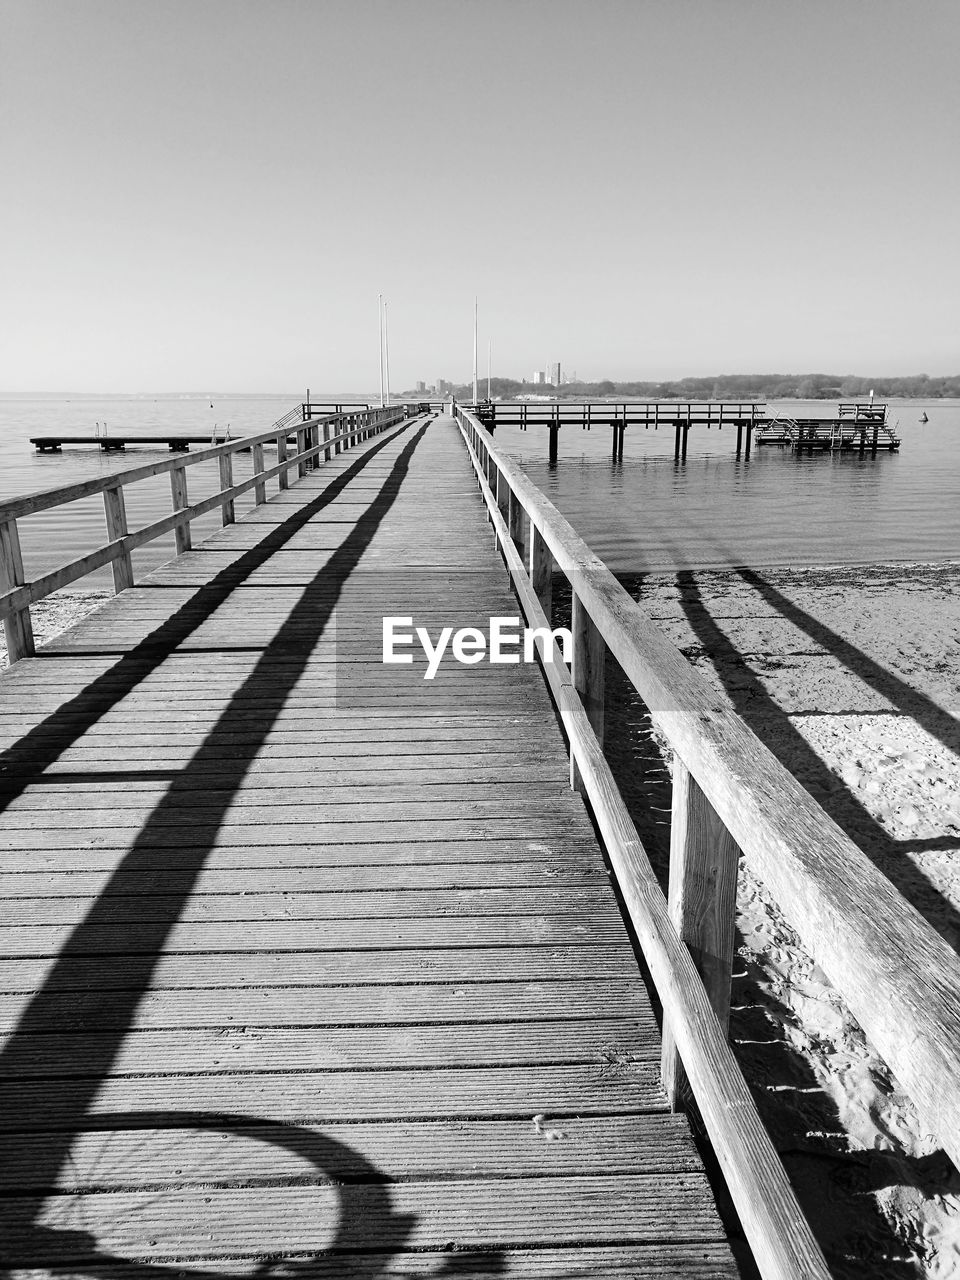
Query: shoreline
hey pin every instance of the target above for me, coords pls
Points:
(850, 675)
(57, 612)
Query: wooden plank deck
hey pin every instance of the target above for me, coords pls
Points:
(309, 965)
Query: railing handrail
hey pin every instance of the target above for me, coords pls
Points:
(44, 499)
(781, 1239)
(573, 404)
(898, 977)
(17, 593)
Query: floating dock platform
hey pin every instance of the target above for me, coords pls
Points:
(112, 444)
(859, 427)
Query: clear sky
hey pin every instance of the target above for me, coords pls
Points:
(209, 194)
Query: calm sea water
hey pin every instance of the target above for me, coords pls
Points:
(646, 513)
(649, 513)
(52, 538)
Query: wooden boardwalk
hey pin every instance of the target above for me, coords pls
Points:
(311, 966)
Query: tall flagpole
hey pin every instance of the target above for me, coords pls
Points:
(380, 318)
(386, 349)
(474, 350)
(489, 361)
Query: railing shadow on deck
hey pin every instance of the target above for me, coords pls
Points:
(40, 747)
(64, 1112)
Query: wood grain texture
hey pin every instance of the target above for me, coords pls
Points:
(702, 900)
(289, 943)
(783, 1244)
(898, 977)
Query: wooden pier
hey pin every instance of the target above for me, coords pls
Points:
(117, 443)
(314, 966)
(860, 426)
(179, 443)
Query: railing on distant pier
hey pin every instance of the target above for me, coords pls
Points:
(730, 795)
(590, 413)
(745, 416)
(338, 431)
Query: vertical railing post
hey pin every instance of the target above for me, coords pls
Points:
(540, 562)
(283, 479)
(502, 492)
(178, 488)
(301, 448)
(589, 657)
(702, 899)
(515, 520)
(17, 625)
(228, 514)
(326, 437)
(259, 490)
(115, 511)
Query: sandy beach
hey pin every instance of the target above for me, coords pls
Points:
(56, 613)
(851, 676)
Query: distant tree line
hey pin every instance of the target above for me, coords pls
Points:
(731, 386)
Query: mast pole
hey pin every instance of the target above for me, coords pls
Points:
(474, 350)
(380, 319)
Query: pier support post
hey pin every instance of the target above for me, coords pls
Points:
(702, 899)
(115, 512)
(554, 436)
(228, 514)
(683, 443)
(17, 625)
(739, 438)
(749, 439)
(589, 657)
(259, 490)
(178, 488)
(619, 429)
(676, 441)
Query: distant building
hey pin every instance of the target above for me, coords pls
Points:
(539, 377)
(555, 374)
(443, 386)
(421, 387)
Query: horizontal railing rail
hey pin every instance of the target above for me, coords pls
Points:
(605, 412)
(325, 436)
(295, 415)
(898, 977)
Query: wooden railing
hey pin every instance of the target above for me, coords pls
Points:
(588, 413)
(730, 795)
(314, 437)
